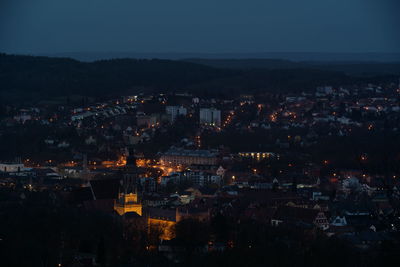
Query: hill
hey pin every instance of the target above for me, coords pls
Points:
(358, 68)
(27, 78)
(292, 56)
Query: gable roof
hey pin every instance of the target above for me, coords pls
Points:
(82, 194)
(105, 189)
(287, 213)
(131, 215)
(208, 191)
(162, 214)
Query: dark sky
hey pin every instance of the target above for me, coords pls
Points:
(205, 26)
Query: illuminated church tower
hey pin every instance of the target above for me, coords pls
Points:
(128, 200)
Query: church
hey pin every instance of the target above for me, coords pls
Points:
(129, 206)
(128, 199)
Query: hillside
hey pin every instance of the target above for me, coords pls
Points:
(31, 78)
(358, 68)
(62, 76)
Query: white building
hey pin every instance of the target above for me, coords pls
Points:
(210, 116)
(174, 111)
(196, 177)
(23, 118)
(11, 167)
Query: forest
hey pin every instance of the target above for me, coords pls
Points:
(30, 78)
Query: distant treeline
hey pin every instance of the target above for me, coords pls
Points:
(33, 78)
(358, 68)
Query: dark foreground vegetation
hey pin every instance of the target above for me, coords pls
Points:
(41, 229)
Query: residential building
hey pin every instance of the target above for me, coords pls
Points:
(175, 111)
(186, 157)
(210, 116)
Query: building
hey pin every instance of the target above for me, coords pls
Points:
(128, 200)
(201, 178)
(164, 220)
(99, 195)
(300, 216)
(257, 155)
(195, 177)
(175, 111)
(186, 157)
(210, 116)
(11, 167)
(147, 121)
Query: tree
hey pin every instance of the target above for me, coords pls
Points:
(192, 232)
(101, 253)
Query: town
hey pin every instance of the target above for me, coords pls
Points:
(188, 178)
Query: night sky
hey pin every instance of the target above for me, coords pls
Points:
(204, 26)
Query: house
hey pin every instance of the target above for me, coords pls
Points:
(208, 192)
(261, 214)
(103, 195)
(352, 208)
(293, 215)
(339, 221)
(174, 249)
(368, 239)
(339, 226)
(154, 200)
(166, 219)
